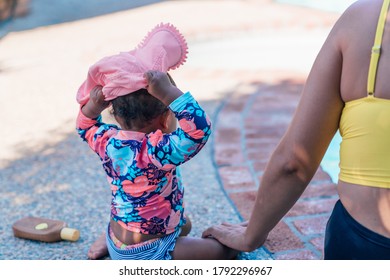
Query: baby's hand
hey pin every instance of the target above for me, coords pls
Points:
(96, 103)
(97, 98)
(160, 86)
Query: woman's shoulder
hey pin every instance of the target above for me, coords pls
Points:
(358, 23)
(361, 12)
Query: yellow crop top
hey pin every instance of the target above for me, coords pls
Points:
(365, 129)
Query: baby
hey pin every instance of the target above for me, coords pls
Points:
(141, 160)
(141, 156)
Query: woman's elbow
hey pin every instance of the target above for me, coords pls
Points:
(295, 164)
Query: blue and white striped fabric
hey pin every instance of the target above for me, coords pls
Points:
(156, 250)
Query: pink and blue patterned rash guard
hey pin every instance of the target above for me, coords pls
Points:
(142, 169)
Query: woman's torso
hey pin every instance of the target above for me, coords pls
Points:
(368, 205)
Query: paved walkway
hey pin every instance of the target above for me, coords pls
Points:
(247, 65)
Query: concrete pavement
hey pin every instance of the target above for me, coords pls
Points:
(247, 63)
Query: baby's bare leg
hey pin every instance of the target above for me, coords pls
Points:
(192, 248)
(98, 249)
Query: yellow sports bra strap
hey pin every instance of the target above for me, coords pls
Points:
(376, 49)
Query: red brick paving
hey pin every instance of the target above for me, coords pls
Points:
(247, 130)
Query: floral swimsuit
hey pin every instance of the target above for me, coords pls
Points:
(142, 169)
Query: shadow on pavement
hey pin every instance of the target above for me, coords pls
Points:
(65, 181)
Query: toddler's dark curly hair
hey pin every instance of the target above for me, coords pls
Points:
(137, 108)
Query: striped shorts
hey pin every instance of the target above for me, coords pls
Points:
(159, 249)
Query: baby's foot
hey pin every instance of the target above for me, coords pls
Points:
(98, 249)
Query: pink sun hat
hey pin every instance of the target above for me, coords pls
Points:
(163, 48)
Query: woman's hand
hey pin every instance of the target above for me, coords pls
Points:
(231, 235)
